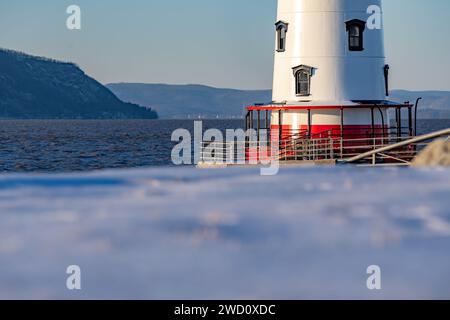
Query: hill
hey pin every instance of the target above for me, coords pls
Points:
(435, 104)
(184, 101)
(39, 88)
(189, 101)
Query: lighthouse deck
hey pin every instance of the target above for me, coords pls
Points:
(384, 147)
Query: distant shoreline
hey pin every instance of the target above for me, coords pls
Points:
(119, 119)
(160, 119)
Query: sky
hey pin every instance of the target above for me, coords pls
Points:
(222, 43)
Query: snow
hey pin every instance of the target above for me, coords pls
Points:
(186, 233)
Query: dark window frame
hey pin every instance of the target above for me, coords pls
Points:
(360, 27)
(300, 83)
(281, 28)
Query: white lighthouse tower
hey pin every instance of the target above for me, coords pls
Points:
(327, 45)
(330, 74)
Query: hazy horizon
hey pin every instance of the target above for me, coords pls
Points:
(209, 42)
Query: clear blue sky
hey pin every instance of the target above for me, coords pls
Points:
(224, 43)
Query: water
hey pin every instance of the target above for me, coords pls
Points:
(80, 145)
(427, 126)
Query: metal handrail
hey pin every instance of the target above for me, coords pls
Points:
(422, 138)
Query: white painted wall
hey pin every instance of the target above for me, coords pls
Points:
(317, 37)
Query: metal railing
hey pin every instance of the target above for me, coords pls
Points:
(377, 149)
(386, 150)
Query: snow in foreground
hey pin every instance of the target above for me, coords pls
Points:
(186, 233)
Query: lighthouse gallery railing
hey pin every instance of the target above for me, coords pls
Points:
(381, 148)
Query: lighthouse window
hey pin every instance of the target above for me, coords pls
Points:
(355, 37)
(355, 29)
(302, 80)
(302, 83)
(281, 28)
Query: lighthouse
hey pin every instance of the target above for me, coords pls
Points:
(330, 73)
(325, 54)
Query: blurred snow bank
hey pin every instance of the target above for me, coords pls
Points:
(197, 234)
